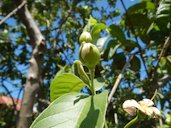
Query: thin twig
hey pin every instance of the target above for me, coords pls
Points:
(164, 49)
(118, 80)
(13, 12)
(162, 53)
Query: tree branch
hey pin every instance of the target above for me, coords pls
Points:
(34, 78)
(164, 49)
(118, 80)
(13, 12)
(165, 79)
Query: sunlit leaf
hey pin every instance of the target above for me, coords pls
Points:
(65, 83)
(101, 42)
(99, 83)
(95, 32)
(74, 110)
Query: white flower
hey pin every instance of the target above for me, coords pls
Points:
(145, 106)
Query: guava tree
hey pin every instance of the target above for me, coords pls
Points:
(134, 59)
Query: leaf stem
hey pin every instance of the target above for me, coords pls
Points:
(133, 121)
(105, 125)
(92, 81)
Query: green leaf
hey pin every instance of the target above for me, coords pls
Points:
(129, 45)
(112, 50)
(164, 14)
(119, 61)
(164, 9)
(101, 42)
(65, 69)
(95, 32)
(162, 62)
(141, 6)
(117, 32)
(99, 83)
(65, 83)
(140, 23)
(169, 58)
(135, 64)
(91, 22)
(74, 110)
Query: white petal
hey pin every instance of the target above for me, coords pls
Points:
(156, 112)
(146, 102)
(148, 111)
(130, 106)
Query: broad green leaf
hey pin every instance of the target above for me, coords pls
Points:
(74, 110)
(99, 83)
(117, 32)
(129, 45)
(101, 42)
(65, 83)
(135, 64)
(141, 6)
(95, 32)
(119, 60)
(140, 23)
(164, 14)
(164, 9)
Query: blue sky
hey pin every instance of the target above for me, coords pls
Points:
(100, 3)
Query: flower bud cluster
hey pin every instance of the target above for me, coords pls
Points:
(85, 37)
(89, 54)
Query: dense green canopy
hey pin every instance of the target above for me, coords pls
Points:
(33, 52)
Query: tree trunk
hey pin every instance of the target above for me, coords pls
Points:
(34, 80)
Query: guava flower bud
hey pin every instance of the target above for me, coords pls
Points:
(81, 72)
(85, 37)
(89, 55)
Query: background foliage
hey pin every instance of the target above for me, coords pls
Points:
(142, 29)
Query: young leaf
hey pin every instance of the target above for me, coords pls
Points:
(74, 110)
(91, 22)
(95, 33)
(99, 83)
(101, 42)
(65, 83)
(113, 50)
(65, 69)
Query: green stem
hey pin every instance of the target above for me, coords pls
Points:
(133, 121)
(105, 126)
(92, 81)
